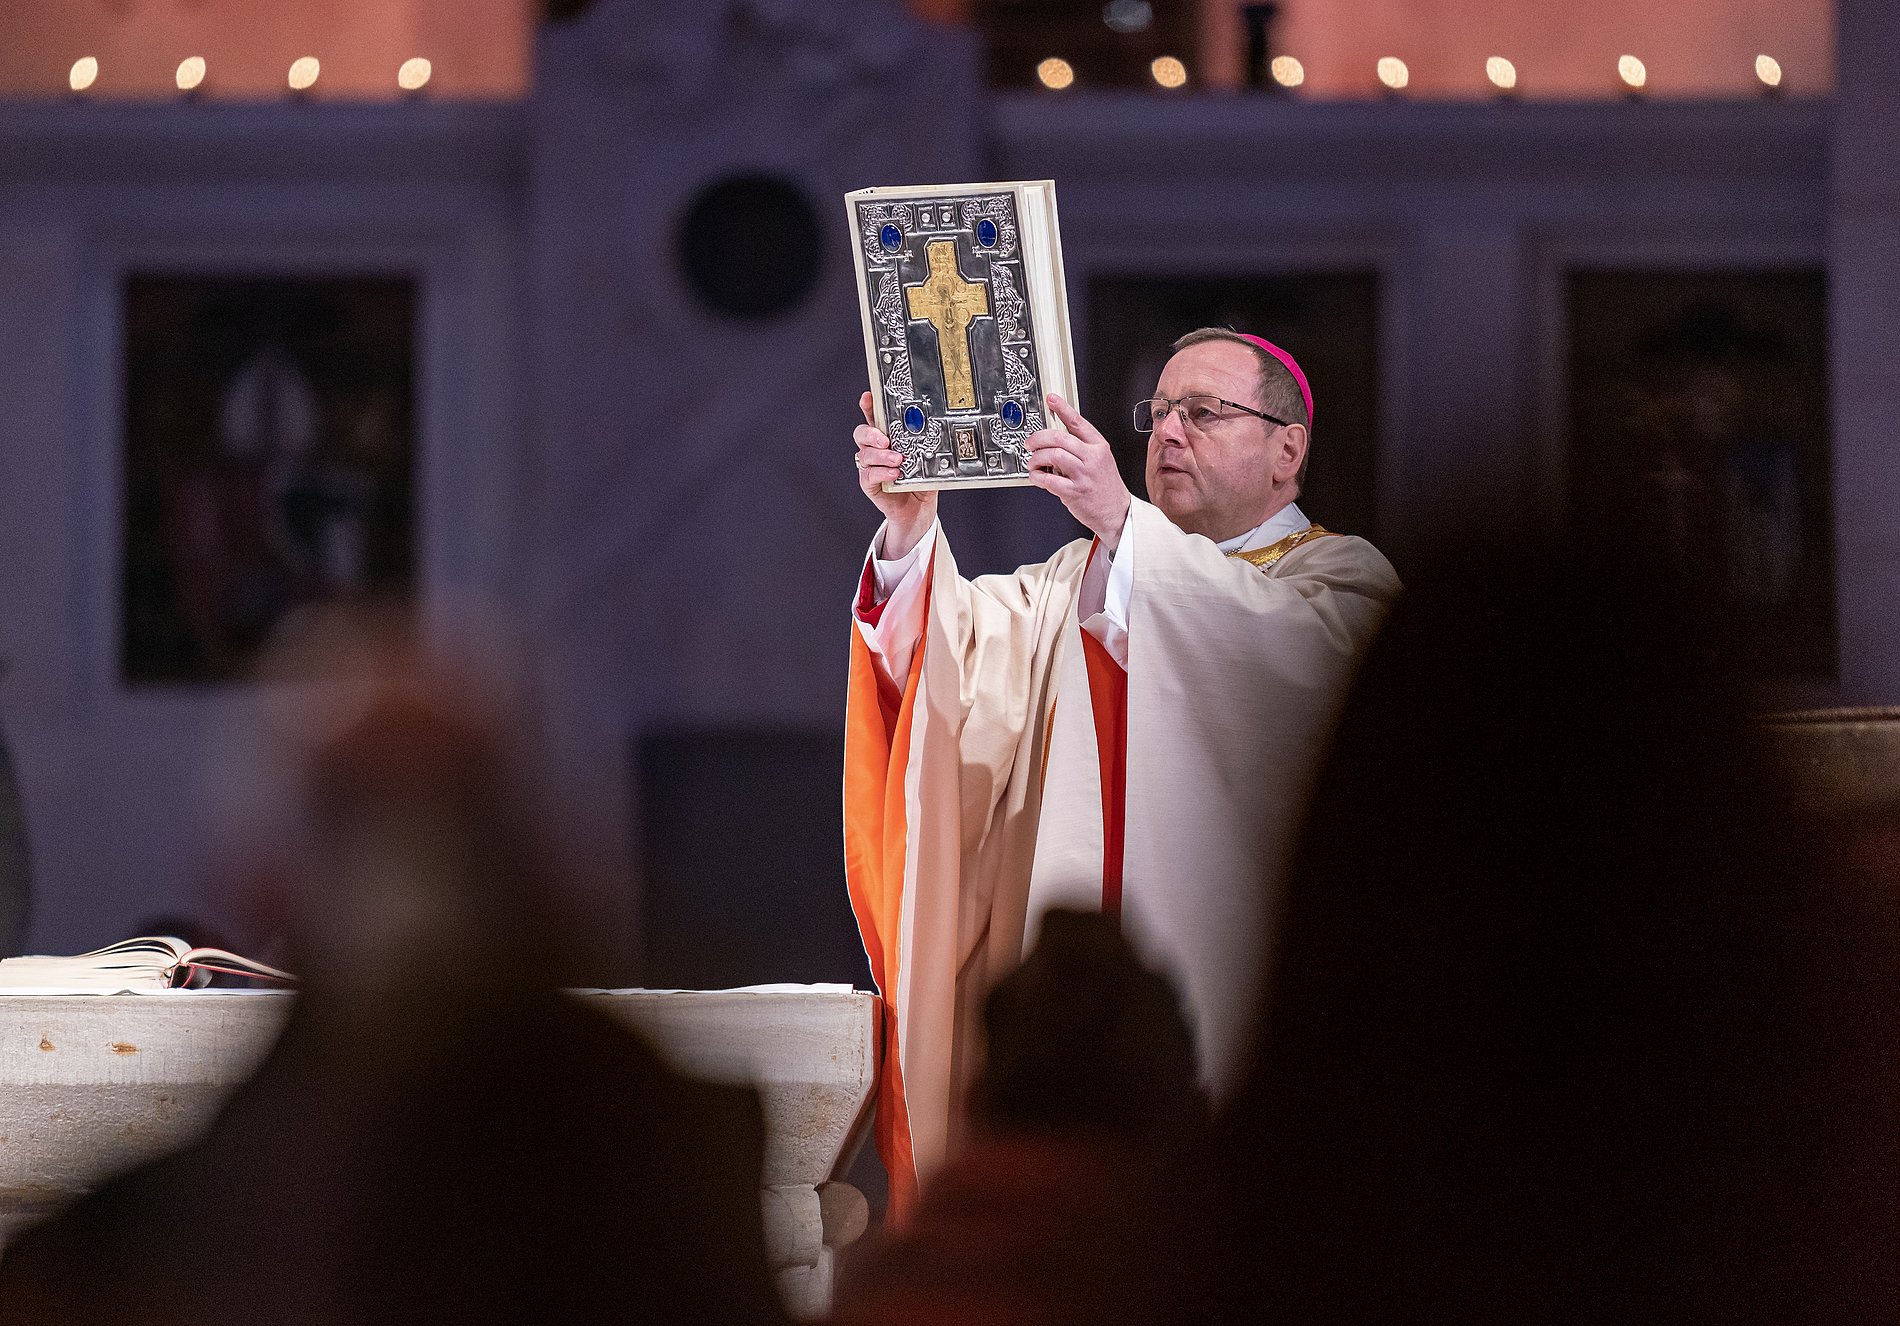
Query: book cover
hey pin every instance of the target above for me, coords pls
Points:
(966, 325)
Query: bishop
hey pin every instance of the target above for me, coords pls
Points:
(1129, 726)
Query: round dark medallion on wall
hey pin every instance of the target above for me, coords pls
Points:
(750, 246)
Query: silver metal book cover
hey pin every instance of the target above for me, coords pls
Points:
(951, 338)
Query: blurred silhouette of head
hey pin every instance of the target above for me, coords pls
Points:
(1083, 1038)
(1067, 1201)
(380, 813)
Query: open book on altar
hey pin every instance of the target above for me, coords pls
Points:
(966, 325)
(133, 966)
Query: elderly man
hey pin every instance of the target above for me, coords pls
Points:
(1128, 726)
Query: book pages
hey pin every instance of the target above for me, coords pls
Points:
(148, 964)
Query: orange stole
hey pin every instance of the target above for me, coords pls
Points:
(1108, 697)
(877, 752)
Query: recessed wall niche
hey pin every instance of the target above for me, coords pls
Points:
(1699, 443)
(268, 461)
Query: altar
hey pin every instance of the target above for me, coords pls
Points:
(91, 1085)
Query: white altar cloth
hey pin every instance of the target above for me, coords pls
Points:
(91, 1085)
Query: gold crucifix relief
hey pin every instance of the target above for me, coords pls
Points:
(949, 303)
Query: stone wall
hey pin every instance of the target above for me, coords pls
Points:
(655, 492)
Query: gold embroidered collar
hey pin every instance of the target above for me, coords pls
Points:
(1273, 552)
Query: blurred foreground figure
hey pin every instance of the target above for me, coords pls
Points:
(1570, 1019)
(1068, 1200)
(441, 1135)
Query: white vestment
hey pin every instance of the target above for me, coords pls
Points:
(992, 812)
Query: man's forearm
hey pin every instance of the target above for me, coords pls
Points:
(899, 539)
(1111, 532)
(890, 610)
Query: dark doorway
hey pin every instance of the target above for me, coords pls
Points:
(743, 841)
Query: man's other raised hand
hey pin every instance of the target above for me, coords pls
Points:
(908, 516)
(1079, 467)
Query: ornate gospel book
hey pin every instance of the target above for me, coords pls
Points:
(966, 325)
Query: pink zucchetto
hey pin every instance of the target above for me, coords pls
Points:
(1292, 366)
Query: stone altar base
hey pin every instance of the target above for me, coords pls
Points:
(92, 1085)
(1838, 762)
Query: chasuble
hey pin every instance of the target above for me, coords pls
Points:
(974, 793)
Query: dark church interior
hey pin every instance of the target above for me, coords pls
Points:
(427, 565)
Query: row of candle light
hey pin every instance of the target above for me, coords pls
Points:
(413, 76)
(1168, 71)
(1054, 73)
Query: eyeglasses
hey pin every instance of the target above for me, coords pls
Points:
(1197, 412)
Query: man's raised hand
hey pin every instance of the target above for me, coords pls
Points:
(909, 515)
(1079, 467)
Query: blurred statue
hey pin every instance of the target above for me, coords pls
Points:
(238, 564)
